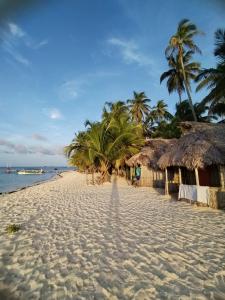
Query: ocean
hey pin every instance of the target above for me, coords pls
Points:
(12, 181)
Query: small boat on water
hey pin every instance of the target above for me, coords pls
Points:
(30, 172)
(8, 170)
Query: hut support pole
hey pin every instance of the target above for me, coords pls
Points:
(196, 176)
(180, 176)
(166, 183)
(222, 176)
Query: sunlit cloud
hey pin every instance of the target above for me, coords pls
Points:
(130, 51)
(55, 114)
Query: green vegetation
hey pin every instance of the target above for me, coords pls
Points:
(179, 43)
(105, 145)
(12, 228)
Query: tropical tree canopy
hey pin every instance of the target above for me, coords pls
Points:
(183, 112)
(107, 144)
(174, 76)
(181, 42)
(139, 107)
(213, 79)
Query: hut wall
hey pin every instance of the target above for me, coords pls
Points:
(217, 198)
(152, 178)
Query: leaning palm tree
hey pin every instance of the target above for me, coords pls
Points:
(174, 76)
(139, 107)
(181, 41)
(214, 78)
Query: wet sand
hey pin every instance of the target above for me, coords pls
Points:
(108, 242)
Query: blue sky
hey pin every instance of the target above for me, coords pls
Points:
(61, 61)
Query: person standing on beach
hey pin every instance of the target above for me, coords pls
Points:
(138, 174)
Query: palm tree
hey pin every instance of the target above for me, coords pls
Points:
(139, 107)
(214, 78)
(181, 41)
(174, 76)
(114, 110)
(77, 152)
(106, 144)
(184, 113)
(159, 112)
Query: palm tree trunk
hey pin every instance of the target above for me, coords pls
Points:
(180, 99)
(187, 89)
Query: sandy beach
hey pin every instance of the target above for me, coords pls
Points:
(108, 242)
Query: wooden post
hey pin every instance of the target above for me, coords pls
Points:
(93, 178)
(196, 176)
(222, 176)
(166, 183)
(180, 176)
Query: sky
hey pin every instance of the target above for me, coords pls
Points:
(61, 61)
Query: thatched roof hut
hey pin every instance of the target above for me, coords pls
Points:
(151, 152)
(201, 145)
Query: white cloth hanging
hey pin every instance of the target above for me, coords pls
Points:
(194, 193)
(203, 194)
(187, 192)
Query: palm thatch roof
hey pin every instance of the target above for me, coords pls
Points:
(201, 145)
(150, 153)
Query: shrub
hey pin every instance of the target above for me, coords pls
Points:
(12, 228)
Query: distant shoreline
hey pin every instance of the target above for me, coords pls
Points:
(53, 178)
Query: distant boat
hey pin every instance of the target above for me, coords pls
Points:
(8, 170)
(30, 172)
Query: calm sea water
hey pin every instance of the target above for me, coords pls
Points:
(13, 181)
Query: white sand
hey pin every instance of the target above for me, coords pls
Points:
(108, 242)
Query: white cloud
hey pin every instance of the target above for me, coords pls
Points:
(14, 37)
(39, 137)
(13, 148)
(41, 44)
(69, 90)
(55, 114)
(130, 51)
(15, 30)
(10, 46)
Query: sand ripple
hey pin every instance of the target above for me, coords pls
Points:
(108, 242)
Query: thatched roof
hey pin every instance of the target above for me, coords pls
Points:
(201, 145)
(150, 153)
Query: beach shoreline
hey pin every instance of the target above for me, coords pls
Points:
(54, 177)
(110, 241)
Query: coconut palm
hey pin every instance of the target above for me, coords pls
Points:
(159, 112)
(139, 107)
(106, 144)
(214, 78)
(183, 112)
(77, 152)
(180, 42)
(174, 76)
(114, 110)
